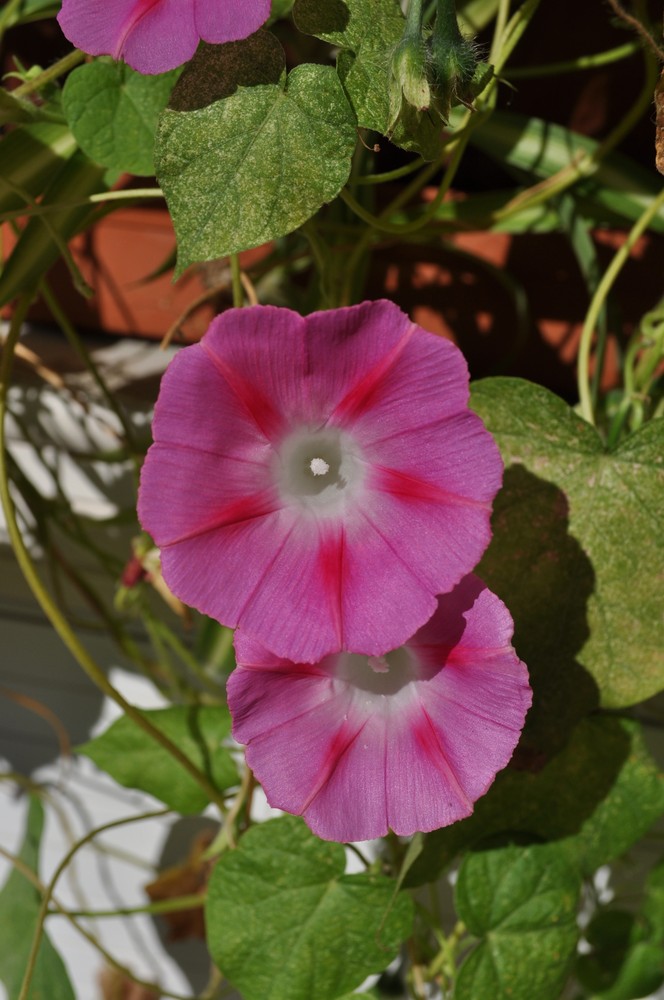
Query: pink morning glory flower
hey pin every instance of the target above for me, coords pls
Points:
(318, 481)
(157, 35)
(408, 741)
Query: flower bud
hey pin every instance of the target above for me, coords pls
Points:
(453, 61)
(408, 71)
(409, 79)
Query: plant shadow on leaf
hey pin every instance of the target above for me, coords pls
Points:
(216, 71)
(315, 18)
(569, 760)
(544, 577)
(573, 800)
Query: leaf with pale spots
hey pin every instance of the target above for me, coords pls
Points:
(504, 896)
(367, 33)
(285, 923)
(245, 154)
(611, 504)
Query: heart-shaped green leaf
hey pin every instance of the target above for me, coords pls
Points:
(245, 154)
(285, 923)
(507, 896)
(113, 111)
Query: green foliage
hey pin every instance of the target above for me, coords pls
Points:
(45, 236)
(506, 896)
(135, 760)
(245, 154)
(622, 963)
(367, 32)
(609, 506)
(31, 10)
(113, 111)
(248, 153)
(596, 797)
(653, 908)
(30, 157)
(616, 189)
(285, 923)
(19, 907)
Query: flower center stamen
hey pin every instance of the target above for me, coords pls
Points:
(319, 470)
(319, 466)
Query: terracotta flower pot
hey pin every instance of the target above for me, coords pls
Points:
(127, 258)
(516, 304)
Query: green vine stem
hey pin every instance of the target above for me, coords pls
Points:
(391, 175)
(598, 299)
(50, 888)
(236, 281)
(132, 196)
(126, 194)
(502, 14)
(70, 333)
(53, 613)
(585, 164)
(642, 360)
(58, 69)
(62, 911)
(225, 838)
(175, 905)
(574, 65)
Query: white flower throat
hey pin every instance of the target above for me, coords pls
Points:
(320, 470)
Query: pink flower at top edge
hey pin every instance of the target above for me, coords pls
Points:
(318, 481)
(157, 35)
(408, 741)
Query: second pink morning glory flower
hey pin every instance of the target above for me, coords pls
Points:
(408, 741)
(157, 35)
(317, 481)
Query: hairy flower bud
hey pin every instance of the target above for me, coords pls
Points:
(409, 79)
(408, 71)
(453, 61)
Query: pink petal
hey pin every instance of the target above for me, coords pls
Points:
(248, 540)
(151, 35)
(385, 597)
(419, 380)
(209, 456)
(154, 36)
(162, 36)
(227, 20)
(307, 366)
(407, 752)
(349, 352)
